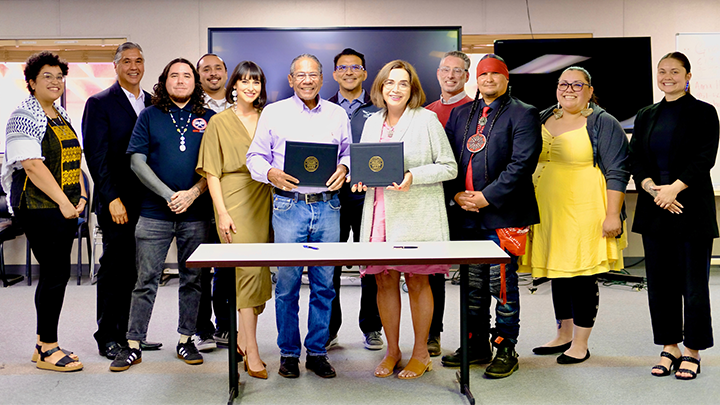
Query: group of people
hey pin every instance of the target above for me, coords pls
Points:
(548, 187)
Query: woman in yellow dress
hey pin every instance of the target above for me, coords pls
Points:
(580, 186)
(242, 205)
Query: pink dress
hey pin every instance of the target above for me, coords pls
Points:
(377, 233)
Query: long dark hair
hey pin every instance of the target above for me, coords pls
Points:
(161, 98)
(252, 71)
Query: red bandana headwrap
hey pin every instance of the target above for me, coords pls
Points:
(492, 65)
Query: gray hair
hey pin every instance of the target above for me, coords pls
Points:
(124, 47)
(458, 54)
(305, 55)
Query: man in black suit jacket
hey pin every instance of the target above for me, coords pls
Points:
(497, 142)
(107, 123)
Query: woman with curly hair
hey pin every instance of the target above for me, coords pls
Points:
(42, 178)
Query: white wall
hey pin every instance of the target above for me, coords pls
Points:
(170, 28)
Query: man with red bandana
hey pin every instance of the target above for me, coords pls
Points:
(497, 142)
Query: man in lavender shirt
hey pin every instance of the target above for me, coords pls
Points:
(302, 214)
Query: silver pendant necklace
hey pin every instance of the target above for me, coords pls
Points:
(182, 133)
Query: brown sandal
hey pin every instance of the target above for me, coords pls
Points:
(418, 367)
(389, 363)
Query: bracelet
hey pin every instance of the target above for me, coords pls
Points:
(82, 197)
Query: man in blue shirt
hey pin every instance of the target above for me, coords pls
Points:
(164, 147)
(350, 74)
(302, 213)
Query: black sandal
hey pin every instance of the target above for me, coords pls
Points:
(664, 371)
(693, 374)
(60, 365)
(36, 354)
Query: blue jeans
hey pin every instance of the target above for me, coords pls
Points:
(297, 222)
(153, 238)
(485, 284)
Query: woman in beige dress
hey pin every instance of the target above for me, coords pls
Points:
(242, 205)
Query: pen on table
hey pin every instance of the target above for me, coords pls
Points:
(311, 247)
(405, 247)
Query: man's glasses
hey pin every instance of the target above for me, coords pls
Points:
(455, 71)
(301, 76)
(576, 86)
(353, 68)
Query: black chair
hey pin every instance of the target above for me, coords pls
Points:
(7, 232)
(83, 231)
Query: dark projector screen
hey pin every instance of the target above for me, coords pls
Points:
(274, 49)
(621, 70)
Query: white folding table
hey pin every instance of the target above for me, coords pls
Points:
(341, 254)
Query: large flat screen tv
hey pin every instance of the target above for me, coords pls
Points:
(273, 49)
(621, 70)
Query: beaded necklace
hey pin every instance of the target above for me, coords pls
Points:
(182, 133)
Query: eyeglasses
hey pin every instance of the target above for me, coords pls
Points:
(354, 68)
(48, 77)
(455, 71)
(576, 86)
(402, 85)
(301, 76)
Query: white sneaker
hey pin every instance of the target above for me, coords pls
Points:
(373, 341)
(205, 343)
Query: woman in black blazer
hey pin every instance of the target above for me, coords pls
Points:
(672, 150)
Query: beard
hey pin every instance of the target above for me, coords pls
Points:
(180, 99)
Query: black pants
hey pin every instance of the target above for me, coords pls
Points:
(116, 278)
(437, 285)
(369, 318)
(214, 291)
(51, 239)
(678, 293)
(576, 298)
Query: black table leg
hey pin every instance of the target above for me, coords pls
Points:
(463, 375)
(232, 341)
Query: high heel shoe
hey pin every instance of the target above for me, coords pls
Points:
(262, 374)
(693, 374)
(674, 365)
(417, 367)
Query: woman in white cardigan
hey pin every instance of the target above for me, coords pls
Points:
(412, 211)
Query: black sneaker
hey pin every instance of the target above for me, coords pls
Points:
(504, 363)
(320, 366)
(478, 353)
(111, 350)
(289, 367)
(189, 353)
(126, 358)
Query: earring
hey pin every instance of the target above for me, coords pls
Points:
(234, 95)
(558, 112)
(585, 112)
(687, 86)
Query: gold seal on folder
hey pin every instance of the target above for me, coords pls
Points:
(311, 163)
(376, 163)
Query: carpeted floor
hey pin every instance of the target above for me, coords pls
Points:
(617, 373)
